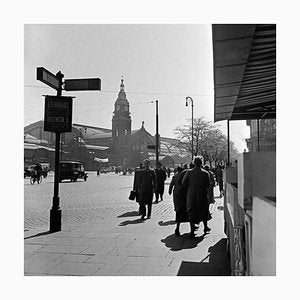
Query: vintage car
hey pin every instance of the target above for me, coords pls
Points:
(71, 170)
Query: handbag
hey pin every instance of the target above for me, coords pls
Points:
(132, 195)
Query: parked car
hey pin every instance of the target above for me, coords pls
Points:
(71, 170)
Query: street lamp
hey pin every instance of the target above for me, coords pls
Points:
(187, 100)
(156, 137)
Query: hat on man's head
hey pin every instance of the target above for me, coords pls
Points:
(146, 161)
(198, 161)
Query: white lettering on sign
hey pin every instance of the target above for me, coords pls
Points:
(57, 104)
(56, 119)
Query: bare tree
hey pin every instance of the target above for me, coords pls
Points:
(209, 141)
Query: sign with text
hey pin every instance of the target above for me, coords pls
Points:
(47, 77)
(88, 84)
(58, 114)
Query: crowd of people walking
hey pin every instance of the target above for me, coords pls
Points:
(192, 188)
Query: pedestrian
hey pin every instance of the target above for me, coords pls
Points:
(219, 177)
(168, 172)
(197, 182)
(161, 176)
(136, 184)
(98, 172)
(179, 198)
(146, 188)
(210, 190)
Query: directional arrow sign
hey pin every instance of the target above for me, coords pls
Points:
(83, 84)
(47, 77)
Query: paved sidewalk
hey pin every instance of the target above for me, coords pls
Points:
(126, 246)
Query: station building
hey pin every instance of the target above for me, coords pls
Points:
(103, 147)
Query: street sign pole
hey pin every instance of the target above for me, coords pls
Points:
(55, 212)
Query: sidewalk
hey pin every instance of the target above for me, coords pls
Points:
(127, 246)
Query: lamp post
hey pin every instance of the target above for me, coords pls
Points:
(156, 136)
(187, 100)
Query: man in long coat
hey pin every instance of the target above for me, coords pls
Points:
(136, 184)
(161, 176)
(147, 186)
(197, 181)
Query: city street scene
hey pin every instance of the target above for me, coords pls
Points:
(150, 150)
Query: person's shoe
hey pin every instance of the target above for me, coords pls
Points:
(156, 201)
(149, 217)
(177, 233)
(142, 217)
(207, 229)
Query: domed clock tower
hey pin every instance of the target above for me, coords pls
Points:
(121, 126)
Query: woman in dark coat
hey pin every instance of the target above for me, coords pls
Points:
(179, 198)
(197, 181)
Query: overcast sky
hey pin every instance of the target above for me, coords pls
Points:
(158, 62)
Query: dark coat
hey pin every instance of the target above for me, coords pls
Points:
(210, 190)
(161, 176)
(197, 182)
(136, 183)
(179, 197)
(146, 186)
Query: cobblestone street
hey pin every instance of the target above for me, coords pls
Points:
(96, 199)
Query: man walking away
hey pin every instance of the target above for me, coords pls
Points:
(197, 181)
(136, 184)
(146, 188)
(161, 176)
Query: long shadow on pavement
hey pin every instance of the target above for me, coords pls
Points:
(129, 214)
(217, 265)
(177, 243)
(162, 223)
(38, 234)
(129, 222)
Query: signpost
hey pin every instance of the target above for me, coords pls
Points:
(58, 119)
(48, 78)
(88, 84)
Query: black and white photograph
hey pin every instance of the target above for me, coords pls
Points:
(182, 117)
(148, 152)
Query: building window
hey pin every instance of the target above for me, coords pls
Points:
(125, 131)
(117, 132)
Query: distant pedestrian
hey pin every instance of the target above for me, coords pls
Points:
(146, 188)
(197, 182)
(168, 172)
(161, 176)
(98, 172)
(179, 198)
(210, 190)
(219, 177)
(136, 184)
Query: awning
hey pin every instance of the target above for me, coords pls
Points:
(95, 147)
(244, 71)
(36, 147)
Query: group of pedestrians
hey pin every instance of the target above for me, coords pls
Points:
(146, 183)
(192, 194)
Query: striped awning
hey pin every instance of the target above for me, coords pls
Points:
(244, 71)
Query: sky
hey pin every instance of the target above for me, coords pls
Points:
(165, 62)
